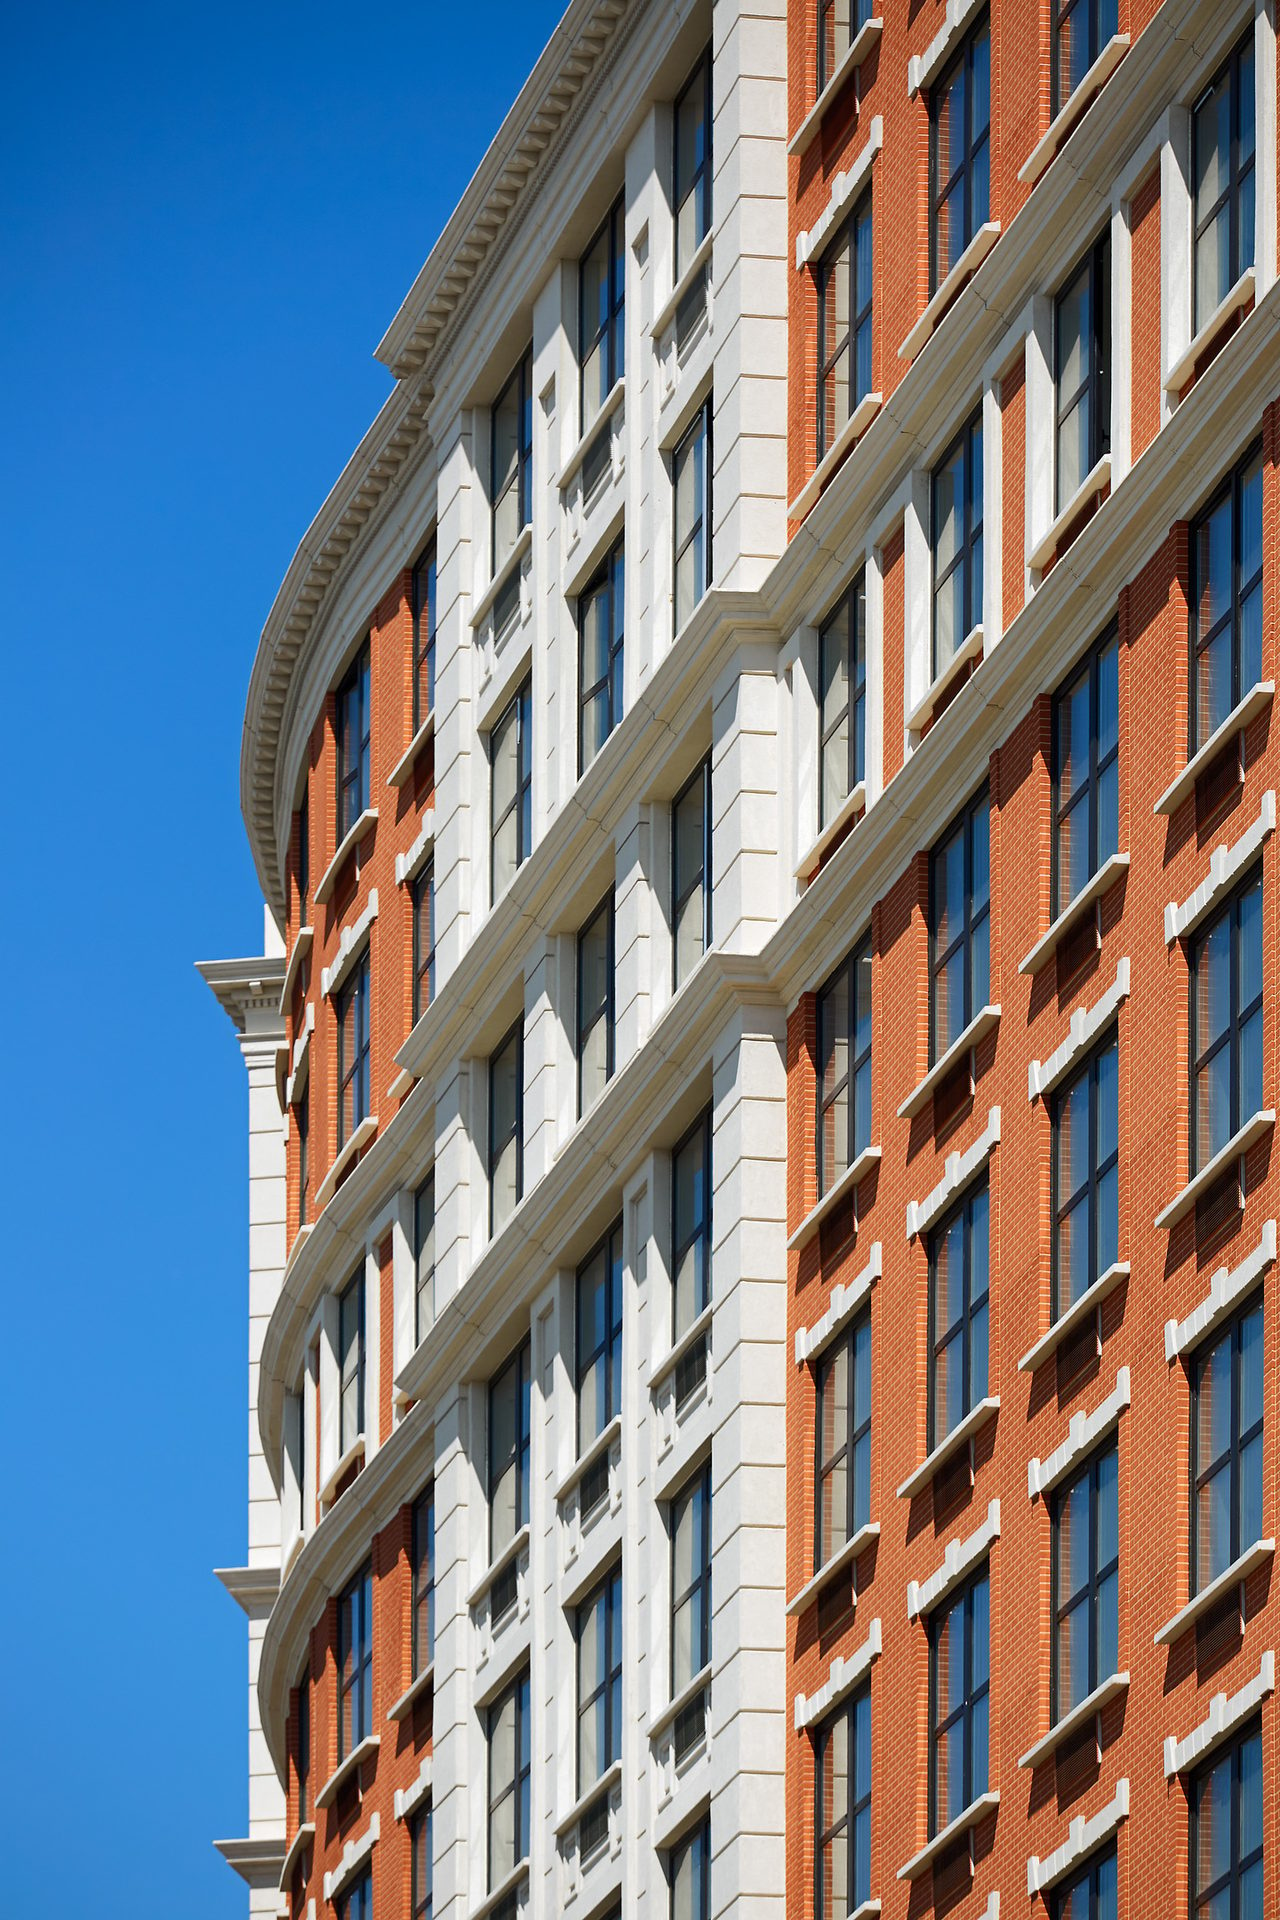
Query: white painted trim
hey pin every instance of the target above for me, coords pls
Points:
(351, 944)
(512, 1884)
(959, 1170)
(350, 839)
(1084, 1430)
(297, 954)
(679, 1701)
(949, 287)
(346, 1154)
(609, 1779)
(847, 1183)
(518, 1544)
(363, 1751)
(852, 430)
(1095, 482)
(1079, 1311)
(983, 1022)
(407, 1800)
(850, 60)
(1252, 1131)
(401, 1708)
(852, 1547)
(302, 1839)
(1093, 890)
(1060, 128)
(1225, 866)
(844, 188)
(853, 803)
(973, 1815)
(950, 1445)
(667, 312)
(970, 648)
(1245, 710)
(1221, 1721)
(699, 1328)
(407, 863)
(1080, 1715)
(1082, 1033)
(1208, 1597)
(1226, 1290)
(356, 1451)
(612, 401)
(506, 573)
(602, 1444)
(1232, 302)
(1082, 1837)
(843, 1304)
(924, 68)
(843, 1675)
(354, 1855)
(959, 1560)
(399, 774)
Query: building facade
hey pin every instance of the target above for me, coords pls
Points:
(763, 1352)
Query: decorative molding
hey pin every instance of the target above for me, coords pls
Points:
(985, 1021)
(844, 1303)
(1083, 1030)
(354, 1855)
(1226, 864)
(1082, 1837)
(407, 1800)
(1221, 1721)
(959, 1170)
(845, 189)
(1083, 1433)
(351, 942)
(961, 1557)
(1226, 1290)
(843, 1675)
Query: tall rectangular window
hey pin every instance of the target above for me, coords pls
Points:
(1090, 1893)
(509, 1770)
(601, 652)
(302, 1752)
(352, 1008)
(595, 1004)
(511, 460)
(598, 1632)
(1223, 181)
(1086, 772)
(357, 1902)
(424, 1258)
(691, 520)
(511, 790)
(1086, 1582)
(959, 1313)
(1226, 1447)
(598, 1356)
(506, 1127)
(601, 296)
(355, 1663)
(842, 1819)
(691, 872)
(843, 1454)
(1081, 29)
(509, 1452)
(420, 1862)
(959, 154)
(689, 1875)
(351, 1362)
(839, 23)
(842, 684)
(957, 544)
(423, 1636)
(959, 1701)
(692, 172)
(1226, 599)
(1082, 370)
(690, 1524)
(691, 1247)
(960, 927)
(1086, 1176)
(302, 1122)
(1226, 1833)
(1226, 1024)
(844, 326)
(424, 940)
(844, 1066)
(422, 599)
(353, 743)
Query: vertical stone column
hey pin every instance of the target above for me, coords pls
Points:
(745, 801)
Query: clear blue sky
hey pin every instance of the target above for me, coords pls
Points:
(207, 218)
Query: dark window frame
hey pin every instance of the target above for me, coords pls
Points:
(355, 1662)
(609, 1346)
(302, 1124)
(843, 1456)
(1060, 1207)
(353, 998)
(424, 1242)
(519, 1787)
(1237, 173)
(1247, 469)
(611, 332)
(1094, 389)
(971, 1695)
(698, 1593)
(1241, 1437)
(681, 543)
(353, 703)
(423, 599)
(517, 713)
(303, 875)
(1065, 14)
(1089, 790)
(420, 1855)
(858, 1060)
(692, 1370)
(357, 1902)
(683, 888)
(1089, 1877)
(422, 1582)
(587, 1020)
(843, 251)
(1232, 1037)
(974, 1306)
(604, 1692)
(697, 1842)
(514, 1036)
(829, 58)
(519, 381)
(857, 1867)
(520, 1458)
(850, 612)
(974, 141)
(607, 583)
(1231, 1754)
(424, 965)
(965, 821)
(702, 180)
(969, 559)
(1092, 1595)
(302, 1749)
(353, 1292)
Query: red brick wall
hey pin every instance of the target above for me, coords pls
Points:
(1145, 333)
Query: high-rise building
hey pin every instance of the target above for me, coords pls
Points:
(764, 1357)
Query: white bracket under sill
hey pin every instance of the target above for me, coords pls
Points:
(1226, 1290)
(1075, 1316)
(843, 1676)
(363, 1751)
(407, 1800)
(1223, 1717)
(698, 1329)
(667, 312)
(1225, 865)
(602, 1443)
(345, 1157)
(612, 401)
(851, 59)
(958, 1562)
(1082, 1030)
(298, 953)
(852, 431)
(403, 1707)
(964, 1823)
(1233, 302)
(869, 1910)
(351, 944)
(964, 269)
(958, 1170)
(969, 650)
(506, 572)
(844, 190)
(512, 1551)
(402, 1086)
(1090, 893)
(853, 804)
(1257, 699)
(349, 1458)
(947, 1448)
(831, 1199)
(400, 774)
(843, 1304)
(349, 841)
(1082, 1838)
(512, 1883)
(1249, 1134)
(609, 1779)
(836, 1564)
(407, 864)
(1095, 483)
(983, 1022)
(354, 1855)
(297, 1846)
(924, 68)
(1217, 1589)
(1090, 1708)
(1084, 1430)
(1072, 112)
(678, 1702)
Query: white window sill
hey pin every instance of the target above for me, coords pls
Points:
(983, 1022)
(609, 1779)
(852, 430)
(958, 1438)
(965, 267)
(844, 1186)
(1240, 1142)
(1226, 864)
(1221, 1721)
(602, 1443)
(867, 1911)
(828, 1571)
(297, 1847)
(506, 572)
(1095, 482)
(301, 948)
(402, 771)
(353, 1454)
(844, 1303)
(1254, 702)
(352, 943)
(511, 1884)
(612, 401)
(671, 306)
(973, 1815)
(969, 649)
(1233, 301)
(345, 1768)
(1079, 1717)
(408, 863)
(676, 1706)
(850, 60)
(402, 1086)
(1090, 893)
(853, 804)
(346, 1156)
(698, 1329)
(1203, 1602)
(1075, 1316)
(511, 1552)
(350, 839)
(1072, 111)
(409, 1699)
(1227, 1288)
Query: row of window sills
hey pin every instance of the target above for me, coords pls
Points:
(351, 1456)
(1076, 1720)
(362, 1751)
(609, 406)
(665, 1716)
(844, 1557)
(851, 59)
(302, 1839)
(968, 653)
(509, 568)
(345, 1157)
(1099, 883)
(402, 772)
(1254, 702)
(518, 1544)
(1069, 114)
(1253, 1130)
(297, 954)
(354, 834)
(850, 807)
(985, 1021)
(1074, 1316)
(1217, 1589)
(1094, 484)
(417, 1687)
(947, 1448)
(971, 1816)
(1234, 301)
(610, 1779)
(847, 1184)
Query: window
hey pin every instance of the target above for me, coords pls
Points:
(691, 872)
(355, 1663)
(509, 1453)
(691, 1248)
(1226, 1024)
(958, 1314)
(844, 1442)
(690, 1601)
(960, 927)
(1222, 174)
(422, 598)
(424, 1258)
(1082, 370)
(304, 856)
(351, 1363)
(844, 325)
(357, 1903)
(1086, 773)
(839, 23)
(302, 1752)
(691, 478)
(1086, 1582)
(599, 1354)
(1086, 1199)
(509, 1781)
(1091, 1893)
(959, 1702)
(506, 1127)
(353, 743)
(424, 940)
(959, 154)
(842, 682)
(601, 623)
(842, 1822)
(689, 1875)
(511, 790)
(601, 290)
(595, 1004)
(420, 1862)
(423, 1636)
(1226, 599)
(511, 461)
(957, 544)
(598, 1631)
(1226, 1833)
(1226, 1447)
(302, 1121)
(1081, 29)
(353, 1051)
(691, 171)
(844, 1067)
